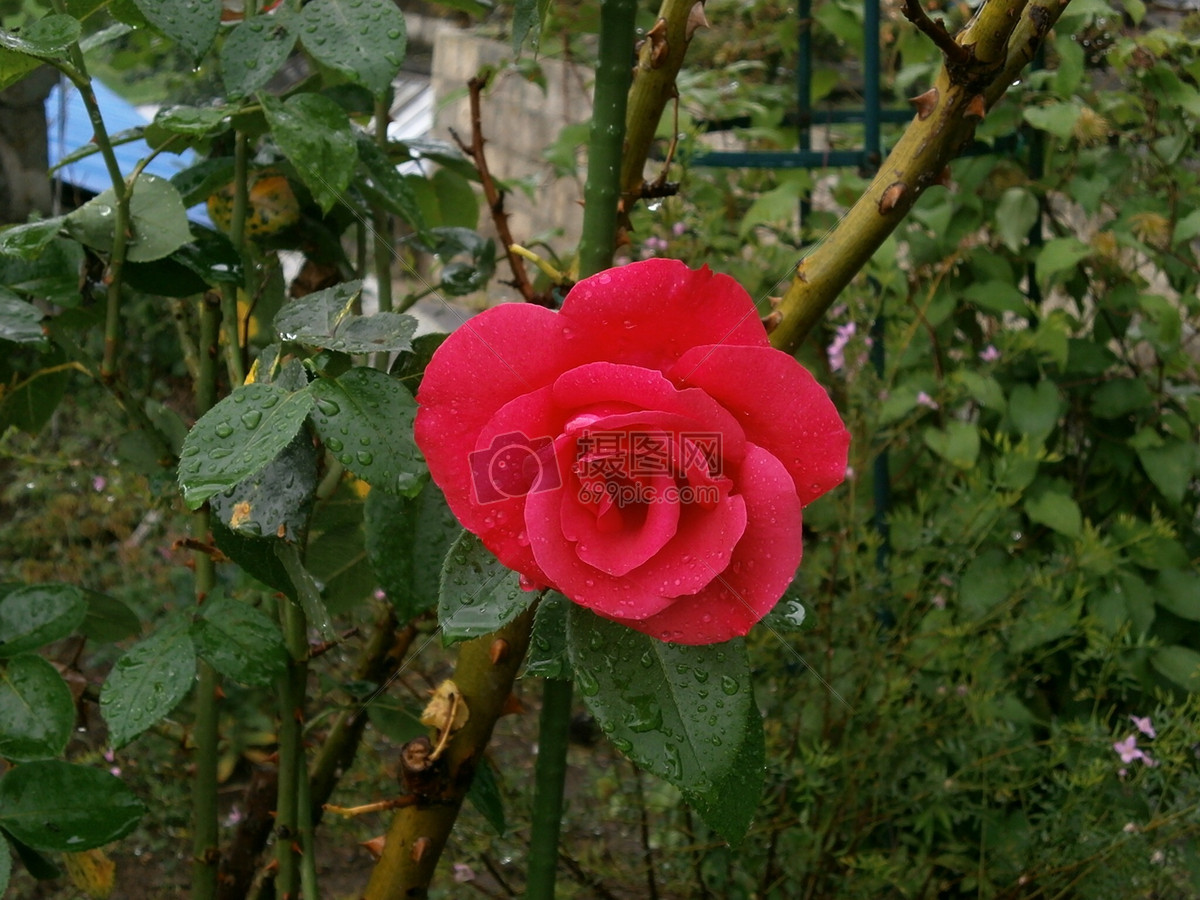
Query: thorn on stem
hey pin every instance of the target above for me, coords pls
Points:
(892, 195)
(925, 103)
(976, 107)
(498, 651)
(695, 20)
(420, 846)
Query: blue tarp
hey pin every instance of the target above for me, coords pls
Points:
(69, 128)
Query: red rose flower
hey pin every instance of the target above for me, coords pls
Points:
(645, 450)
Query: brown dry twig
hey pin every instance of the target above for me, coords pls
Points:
(495, 196)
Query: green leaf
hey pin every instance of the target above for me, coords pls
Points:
(1178, 590)
(1058, 256)
(686, 714)
(36, 864)
(56, 805)
(37, 614)
(37, 712)
(1057, 511)
(27, 241)
(324, 319)
(384, 183)
(238, 437)
(1070, 63)
(158, 220)
(147, 682)
(53, 276)
(276, 501)
(1056, 117)
(365, 419)
(484, 794)
(1120, 397)
(308, 592)
(108, 620)
(477, 594)
(1179, 664)
(548, 643)
(1170, 467)
(958, 443)
(407, 540)
(987, 582)
(314, 133)
(1016, 214)
(780, 204)
(1034, 410)
(191, 122)
(528, 16)
(20, 321)
(255, 556)
(192, 25)
(15, 66)
(5, 865)
(240, 641)
(46, 38)
(365, 39)
(253, 52)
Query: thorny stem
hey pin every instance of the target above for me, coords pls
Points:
(234, 363)
(994, 47)
(205, 849)
(607, 137)
(289, 820)
(381, 227)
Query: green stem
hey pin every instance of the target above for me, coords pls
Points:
(205, 848)
(549, 776)
(382, 227)
(607, 138)
(289, 823)
(234, 363)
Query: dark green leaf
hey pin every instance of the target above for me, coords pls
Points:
(409, 366)
(1179, 591)
(29, 403)
(397, 723)
(198, 181)
(1179, 664)
(687, 714)
(1057, 511)
(37, 712)
(256, 556)
(391, 188)
(108, 620)
(27, 241)
(36, 864)
(365, 39)
(253, 52)
(1170, 467)
(192, 25)
(56, 805)
(365, 418)
(240, 641)
(477, 593)
(192, 123)
(337, 553)
(53, 276)
(238, 437)
(407, 540)
(147, 682)
(324, 319)
(276, 501)
(20, 321)
(159, 223)
(46, 38)
(1034, 410)
(528, 16)
(548, 642)
(314, 133)
(5, 864)
(484, 794)
(987, 582)
(308, 592)
(37, 614)
(1120, 397)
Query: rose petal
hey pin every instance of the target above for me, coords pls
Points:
(781, 407)
(495, 357)
(620, 540)
(651, 312)
(762, 565)
(703, 542)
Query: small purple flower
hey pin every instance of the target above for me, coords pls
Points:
(1144, 725)
(989, 353)
(463, 873)
(1129, 752)
(837, 347)
(678, 229)
(99, 483)
(938, 601)
(923, 399)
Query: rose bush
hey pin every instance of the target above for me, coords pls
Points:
(645, 451)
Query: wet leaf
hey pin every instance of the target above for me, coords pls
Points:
(147, 682)
(20, 321)
(477, 594)
(547, 656)
(28, 240)
(324, 319)
(407, 539)
(686, 714)
(484, 794)
(37, 712)
(46, 38)
(365, 419)
(314, 133)
(276, 501)
(365, 39)
(37, 614)
(192, 25)
(240, 641)
(108, 620)
(158, 220)
(253, 52)
(56, 805)
(239, 437)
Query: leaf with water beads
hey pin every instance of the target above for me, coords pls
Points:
(192, 25)
(147, 682)
(365, 419)
(325, 319)
(478, 594)
(238, 437)
(684, 713)
(365, 39)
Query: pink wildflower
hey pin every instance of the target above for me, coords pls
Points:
(1144, 725)
(989, 353)
(923, 399)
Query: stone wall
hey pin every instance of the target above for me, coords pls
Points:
(520, 120)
